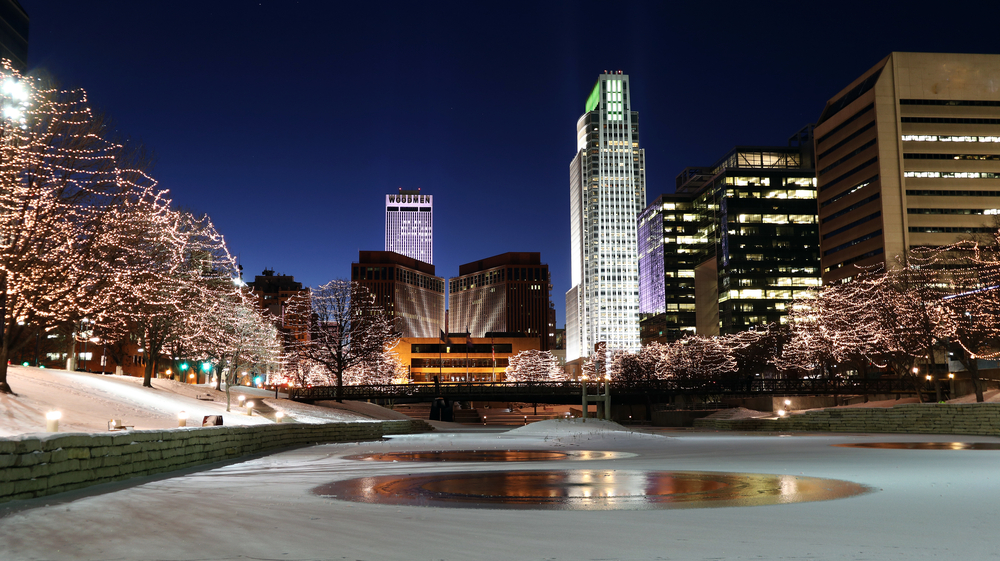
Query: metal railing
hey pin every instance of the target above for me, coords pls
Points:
(624, 392)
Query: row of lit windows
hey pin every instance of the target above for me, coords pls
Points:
(776, 218)
(771, 194)
(949, 230)
(942, 193)
(953, 174)
(987, 211)
(985, 157)
(941, 138)
(950, 120)
(760, 294)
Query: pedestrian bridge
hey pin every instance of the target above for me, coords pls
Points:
(654, 391)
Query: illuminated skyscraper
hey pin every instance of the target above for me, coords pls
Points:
(607, 193)
(733, 246)
(409, 225)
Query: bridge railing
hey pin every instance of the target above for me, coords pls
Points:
(527, 391)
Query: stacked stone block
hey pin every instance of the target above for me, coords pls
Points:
(972, 419)
(34, 466)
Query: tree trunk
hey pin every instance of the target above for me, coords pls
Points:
(4, 386)
(977, 384)
(147, 373)
(340, 387)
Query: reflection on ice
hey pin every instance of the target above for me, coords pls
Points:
(586, 489)
(489, 456)
(925, 445)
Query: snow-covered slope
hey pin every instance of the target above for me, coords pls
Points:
(89, 401)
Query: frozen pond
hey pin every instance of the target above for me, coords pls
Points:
(589, 489)
(924, 504)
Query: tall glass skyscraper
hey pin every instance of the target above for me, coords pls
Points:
(607, 193)
(409, 225)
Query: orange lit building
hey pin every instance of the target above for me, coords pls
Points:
(458, 359)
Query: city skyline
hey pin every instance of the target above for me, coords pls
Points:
(271, 124)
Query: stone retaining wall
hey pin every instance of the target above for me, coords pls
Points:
(974, 419)
(34, 466)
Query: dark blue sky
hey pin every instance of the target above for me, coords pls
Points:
(288, 121)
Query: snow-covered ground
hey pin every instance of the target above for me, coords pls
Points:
(927, 504)
(89, 401)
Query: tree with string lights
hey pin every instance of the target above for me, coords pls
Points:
(384, 368)
(533, 366)
(346, 327)
(61, 177)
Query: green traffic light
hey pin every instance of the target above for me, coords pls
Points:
(206, 366)
(184, 366)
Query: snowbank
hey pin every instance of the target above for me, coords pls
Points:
(89, 401)
(570, 427)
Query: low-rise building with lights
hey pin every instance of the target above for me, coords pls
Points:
(457, 358)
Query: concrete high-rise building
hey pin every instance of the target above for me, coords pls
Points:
(14, 34)
(607, 193)
(406, 287)
(273, 292)
(409, 225)
(908, 155)
(507, 293)
(733, 246)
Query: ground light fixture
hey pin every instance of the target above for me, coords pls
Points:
(182, 419)
(781, 412)
(279, 416)
(241, 399)
(250, 408)
(52, 421)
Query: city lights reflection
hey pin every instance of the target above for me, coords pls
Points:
(489, 456)
(924, 445)
(590, 489)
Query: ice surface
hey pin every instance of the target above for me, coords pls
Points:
(929, 505)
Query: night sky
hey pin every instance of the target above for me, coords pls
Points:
(288, 122)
